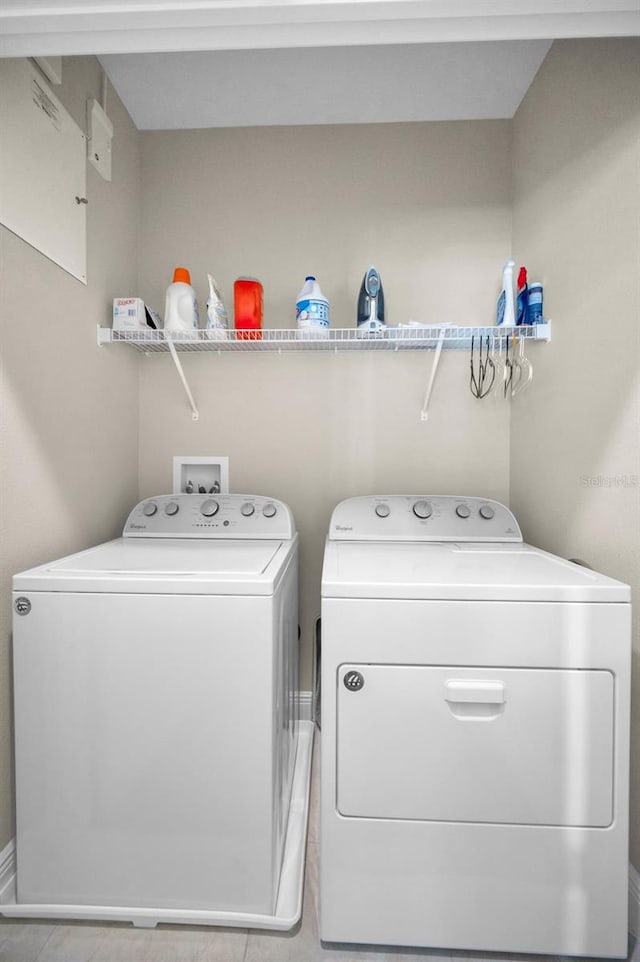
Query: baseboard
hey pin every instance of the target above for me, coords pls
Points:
(8, 872)
(306, 706)
(634, 901)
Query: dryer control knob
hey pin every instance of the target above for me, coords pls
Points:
(383, 510)
(209, 507)
(171, 508)
(486, 512)
(150, 509)
(463, 510)
(269, 509)
(422, 509)
(247, 509)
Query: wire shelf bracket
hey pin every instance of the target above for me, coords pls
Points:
(176, 360)
(424, 413)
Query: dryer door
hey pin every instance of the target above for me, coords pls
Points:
(506, 745)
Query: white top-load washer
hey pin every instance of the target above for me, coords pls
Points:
(475, 735)
(162, 772)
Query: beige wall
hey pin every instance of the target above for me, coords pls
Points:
(429, 205)
(576, 156)
(68, 410)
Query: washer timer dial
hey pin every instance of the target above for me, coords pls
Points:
(209, 507)
(422, 509)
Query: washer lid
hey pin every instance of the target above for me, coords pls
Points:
(466, 572)
(165, 565)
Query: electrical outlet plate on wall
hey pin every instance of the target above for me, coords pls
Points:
(212, 473)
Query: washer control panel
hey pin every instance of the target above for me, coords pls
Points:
(423, 518)
(206, 516)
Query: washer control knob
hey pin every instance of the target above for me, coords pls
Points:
(150, 509)
(486, 512)
(269, 509)
(463, 510)
(209, 507)
(247, 510)
(422, 509)
(171, 508)
(383, 510)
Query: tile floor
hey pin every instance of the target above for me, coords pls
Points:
(42, 941)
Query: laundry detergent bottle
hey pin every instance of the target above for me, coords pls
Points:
(180, 306)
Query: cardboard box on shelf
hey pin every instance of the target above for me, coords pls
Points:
(132, 314)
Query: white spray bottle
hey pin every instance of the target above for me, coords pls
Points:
(506, 313)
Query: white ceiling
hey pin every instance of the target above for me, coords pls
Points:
(331, 85)
(52, 27)
(208, 63)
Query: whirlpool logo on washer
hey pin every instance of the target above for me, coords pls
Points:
(353, 681)
(22, 606)
(344, 527)
(138, 527)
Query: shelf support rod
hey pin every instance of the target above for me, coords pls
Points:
(176, 360)
(424, 414)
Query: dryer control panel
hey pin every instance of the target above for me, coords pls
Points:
(423, 517)
(210, 516)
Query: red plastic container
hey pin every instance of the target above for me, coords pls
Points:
(247, 308)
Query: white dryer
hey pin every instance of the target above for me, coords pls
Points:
(162, 772)
(475, 735)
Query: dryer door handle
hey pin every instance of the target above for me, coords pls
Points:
(476, 692)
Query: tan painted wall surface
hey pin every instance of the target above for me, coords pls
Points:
(429, 205)
(575, 447)
(68, 410)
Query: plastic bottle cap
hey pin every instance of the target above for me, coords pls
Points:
(181, 276)
(309, 278)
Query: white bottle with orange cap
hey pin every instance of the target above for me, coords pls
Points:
(180, 306)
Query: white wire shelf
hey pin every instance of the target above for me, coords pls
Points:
(339, 339)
